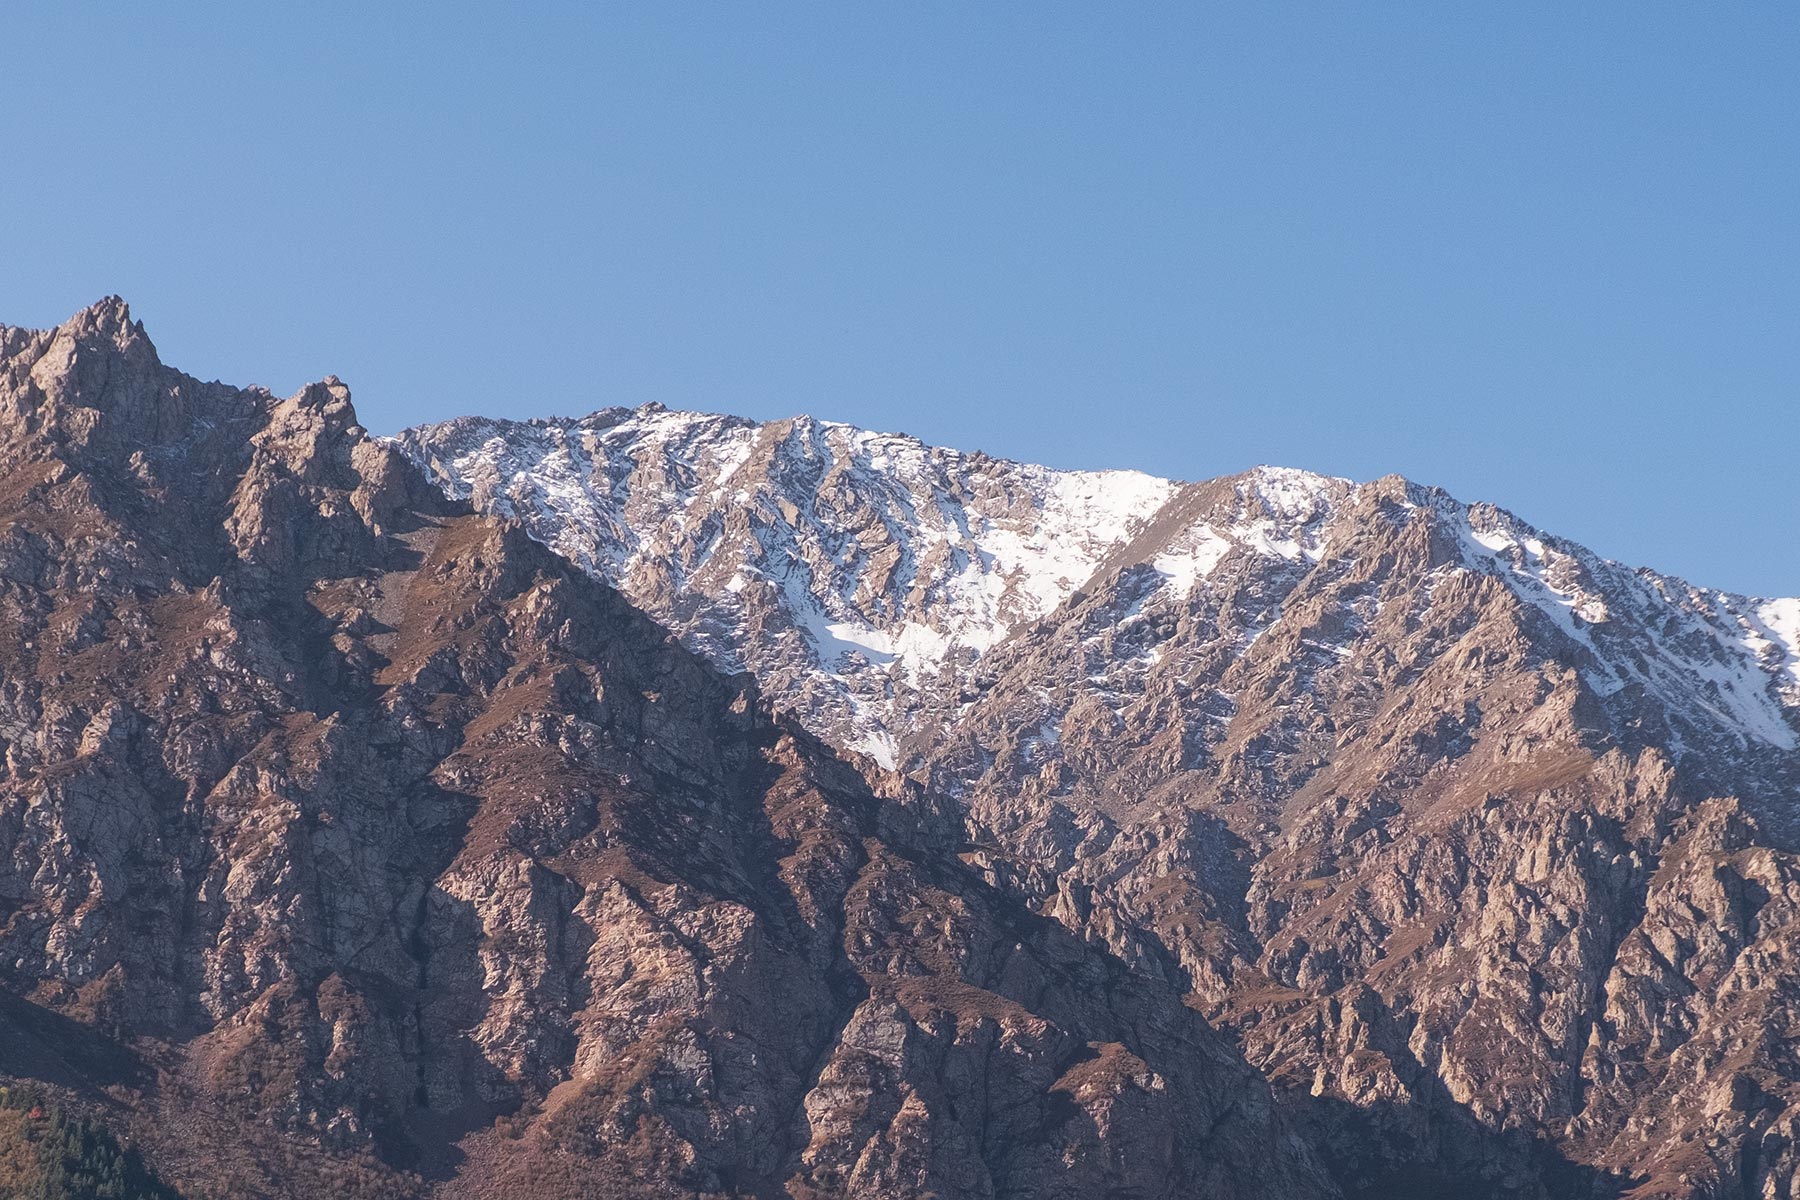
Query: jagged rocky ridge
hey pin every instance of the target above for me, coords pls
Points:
(356, 844)
(1483, 843)
(865, 573)
(857, 574)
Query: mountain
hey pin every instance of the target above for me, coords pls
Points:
(859, 575)
(862, 575)
(1481, 847)
(356, 844)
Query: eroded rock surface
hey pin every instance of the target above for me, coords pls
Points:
(1483, 847)
(356, 844)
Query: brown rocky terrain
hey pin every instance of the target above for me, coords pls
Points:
(1481, 847)
(1401, 830)
(356, 844)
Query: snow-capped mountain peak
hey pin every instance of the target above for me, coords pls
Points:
(862, 575)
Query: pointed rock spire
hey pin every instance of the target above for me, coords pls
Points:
(99, 376)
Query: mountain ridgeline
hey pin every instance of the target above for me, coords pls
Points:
(669, 805)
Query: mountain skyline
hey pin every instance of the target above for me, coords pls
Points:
(1123, 469)
(924, 602)
(397, 817)
(1530, 254)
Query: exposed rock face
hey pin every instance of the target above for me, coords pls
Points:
(356, 844)
(1483, 843)
(857, 575)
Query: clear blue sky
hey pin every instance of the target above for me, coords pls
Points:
(1545, 254)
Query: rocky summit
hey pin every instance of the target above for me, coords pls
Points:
(659, 804)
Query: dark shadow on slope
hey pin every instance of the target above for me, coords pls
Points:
(1434, 1148)
(36, 1043)
(1380, 1152)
